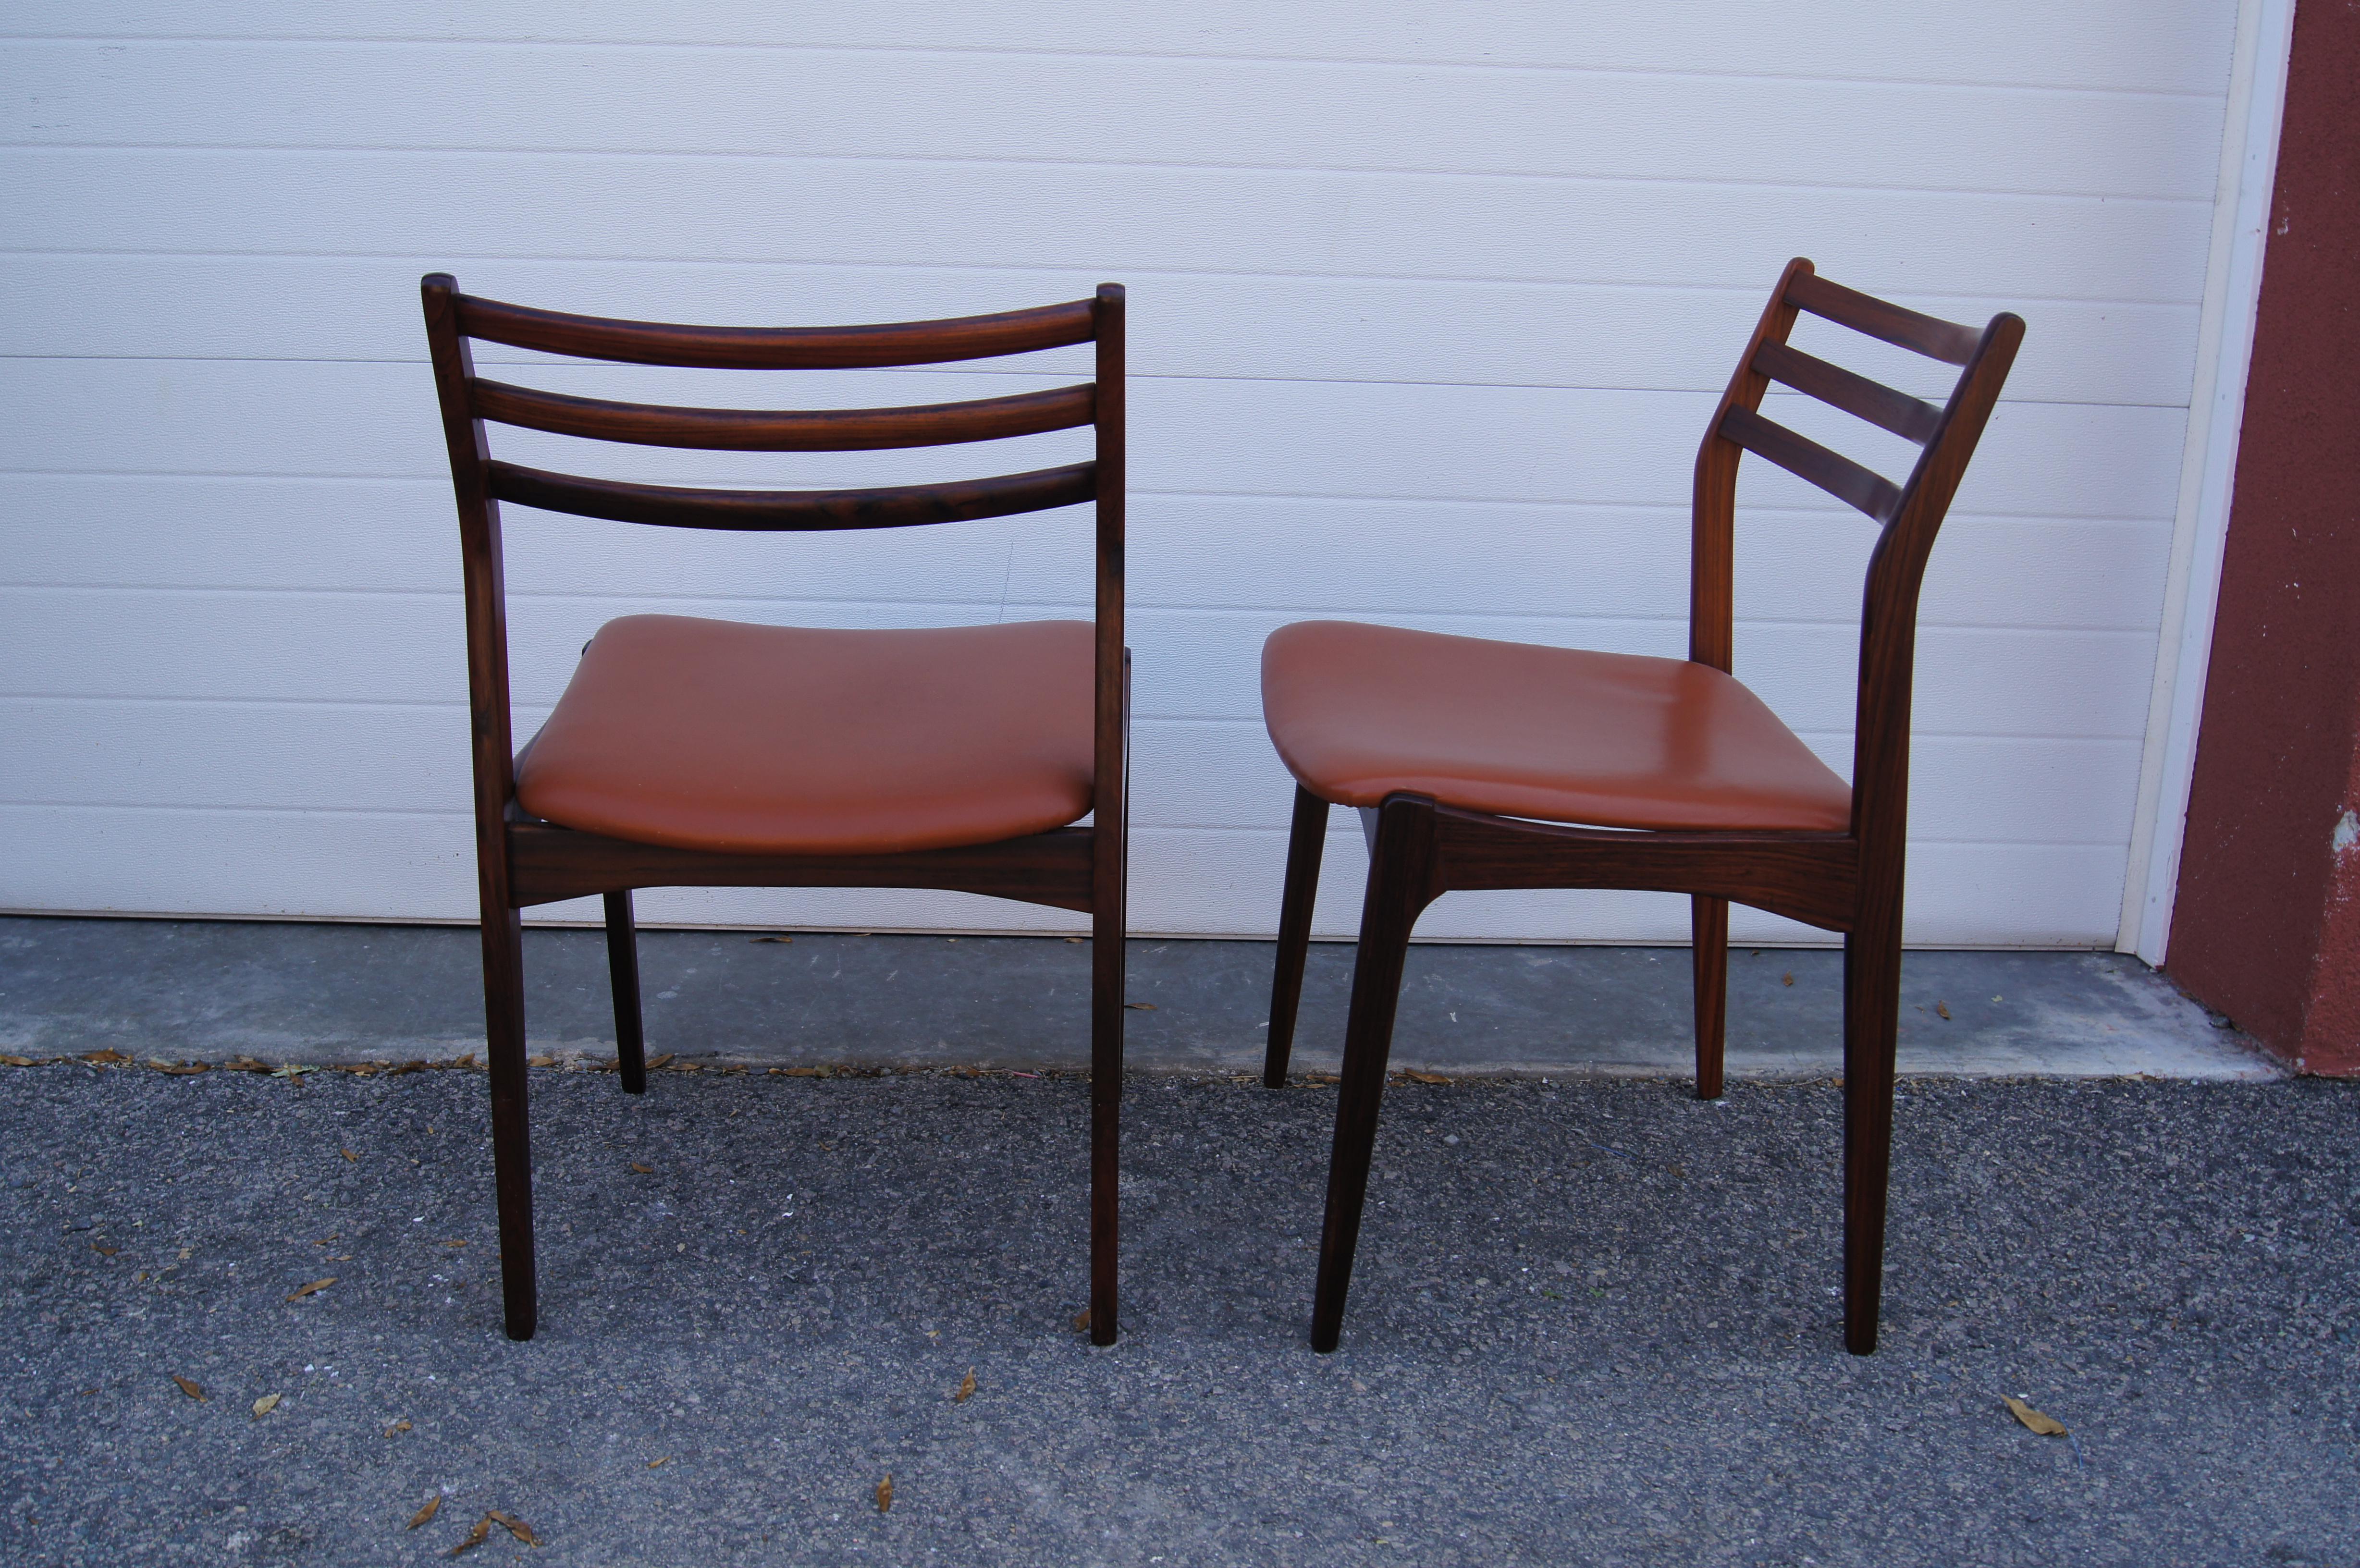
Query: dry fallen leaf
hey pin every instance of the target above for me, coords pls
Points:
(312, 1289)
(293, 1071)
(178, 1070)
(433, 1506)
(105, 1058)
(1082, 1321)
(965, 1389)
(1140, 1007)
(541, 1061)
(455, 1242)
(403, 1425)
(246, 1064)
(885, 1495)
(474, 1537)
(348, 1154)
(514, 1526)
(265, 1405)
(659, 1060)
(777, 938)
(1789, 978)
(643, 1170)
(1943, 1008)
(102, 1252)
(2046, 1426)
(1073, 938)
(189, 1388)
(405, 1067)
(464, 1061)
(1423, 1077)
(18, 1061)
(653, 1464)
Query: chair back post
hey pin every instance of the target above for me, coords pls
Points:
(486, 588)
(1896, 572)
(1712, 547)
(1108, 795)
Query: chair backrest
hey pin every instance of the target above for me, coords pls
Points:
(1910, 513)
(469, 401)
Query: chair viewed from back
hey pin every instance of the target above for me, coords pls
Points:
(1493, 765)
(703, 753)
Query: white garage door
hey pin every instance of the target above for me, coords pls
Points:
(1429, 304)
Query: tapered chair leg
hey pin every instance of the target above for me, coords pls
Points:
(1401, 884)
(1304, 841)
(1709, 919)
(623, 971)
(1871, 1016)
(511, 1131)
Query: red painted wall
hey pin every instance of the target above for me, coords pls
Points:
(2266, 925)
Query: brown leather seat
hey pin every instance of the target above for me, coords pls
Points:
(1558, 734)
(714, 735)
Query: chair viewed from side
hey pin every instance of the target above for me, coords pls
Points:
(704, 753)
(1491, 764)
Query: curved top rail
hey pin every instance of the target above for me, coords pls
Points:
(1929, 336)
(778, 348)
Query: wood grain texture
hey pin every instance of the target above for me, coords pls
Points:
(553, 862)
(751, 430)
(896, 506)
(776, 348)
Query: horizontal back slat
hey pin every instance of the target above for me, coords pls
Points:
(749, 430)
(1805, 459)
(806, 511)
(1929, 335)
(1880, 404)
(778, 348)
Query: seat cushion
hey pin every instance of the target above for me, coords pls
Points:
(712, 735)
(1604, 739)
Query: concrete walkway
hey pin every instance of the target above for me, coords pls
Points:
(209, 990)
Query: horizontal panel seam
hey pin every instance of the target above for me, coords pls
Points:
(1007, 161)
(945, 51)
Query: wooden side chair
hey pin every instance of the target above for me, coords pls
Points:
(705, 753)
(1480, 764)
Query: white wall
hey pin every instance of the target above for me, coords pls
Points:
(1429, 304)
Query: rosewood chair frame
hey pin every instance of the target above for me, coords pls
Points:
(1849, 882)
(522, 861)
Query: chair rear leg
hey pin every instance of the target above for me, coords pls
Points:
(1871, 1016)
(1107, 945)
(511, 1133)
(1709, 919)
(1303, 844)
(1401, 871)
(623, 970)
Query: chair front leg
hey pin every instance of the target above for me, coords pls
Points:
(1708, 920)
(512, 1132)
(1304, 842)
(1872, 1018)
(1401, 884)
(623, 973)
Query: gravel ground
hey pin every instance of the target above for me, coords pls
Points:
(1594, 1322)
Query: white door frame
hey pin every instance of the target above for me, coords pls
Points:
(2216, 406)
